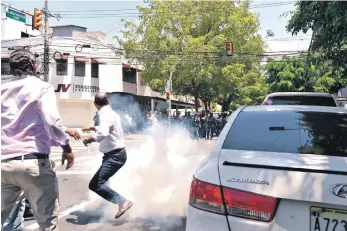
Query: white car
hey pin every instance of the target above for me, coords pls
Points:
(301, 98)
(274, 168)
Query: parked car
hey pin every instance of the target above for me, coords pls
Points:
(301, 98)
(274, 168)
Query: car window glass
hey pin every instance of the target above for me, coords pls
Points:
(288, 131)
(302, 100)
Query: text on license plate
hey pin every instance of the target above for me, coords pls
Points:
(326, 219)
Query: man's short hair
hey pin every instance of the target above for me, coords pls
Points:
(22, 62)
(101, 99)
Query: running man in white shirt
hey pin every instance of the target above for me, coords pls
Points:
(110, 135)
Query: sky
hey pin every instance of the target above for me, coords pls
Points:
(269, 16)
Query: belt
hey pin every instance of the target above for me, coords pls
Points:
(30, 157)
(115, 151)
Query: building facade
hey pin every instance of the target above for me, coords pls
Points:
(15, 29)
(82, 65)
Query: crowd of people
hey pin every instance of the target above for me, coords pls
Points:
(202, 125)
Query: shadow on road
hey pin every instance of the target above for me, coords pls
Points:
(83, 218)
(88, 216)
(96, 217)
(169, 223)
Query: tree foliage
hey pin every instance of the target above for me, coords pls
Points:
(241, 87)
(289, 75)
(188, 39)
(328, 21)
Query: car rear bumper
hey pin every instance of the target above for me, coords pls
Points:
(198, 220)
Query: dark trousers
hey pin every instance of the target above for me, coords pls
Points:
(111, 163)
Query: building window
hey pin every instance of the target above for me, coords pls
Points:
(95, 70)
(61, 65)
(5, 66)
(80, 69)
(129, 75)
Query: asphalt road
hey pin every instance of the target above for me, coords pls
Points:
(156, 178)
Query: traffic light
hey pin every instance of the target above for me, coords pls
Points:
(229, 49)
(37, 19)
(168, 96)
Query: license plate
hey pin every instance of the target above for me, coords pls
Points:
(326, 219)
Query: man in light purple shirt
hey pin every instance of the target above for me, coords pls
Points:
(30, 126)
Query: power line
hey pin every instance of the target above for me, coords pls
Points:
(68, 14)
(171, 52)
(122, 10)
(187, 58)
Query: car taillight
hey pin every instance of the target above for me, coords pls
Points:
(206, 197)
(249, 205)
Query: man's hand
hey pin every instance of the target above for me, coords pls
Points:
(69, 156)
(88, 141)
(74, 134)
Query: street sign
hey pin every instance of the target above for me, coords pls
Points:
(15, 15)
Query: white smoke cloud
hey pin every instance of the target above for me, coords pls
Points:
(156, 178)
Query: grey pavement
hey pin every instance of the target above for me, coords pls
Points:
(82, 210)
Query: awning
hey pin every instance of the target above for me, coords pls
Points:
(97, 61)
(81, 59)
(128, 66)
(64, 57)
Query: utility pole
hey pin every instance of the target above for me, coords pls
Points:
(46, 47)
(170, 90)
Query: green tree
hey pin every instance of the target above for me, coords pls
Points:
(289, 75)
(328, 21)
(189, 38)
(240, 87)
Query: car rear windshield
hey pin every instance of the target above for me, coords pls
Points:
(303, 100)
(289, 131)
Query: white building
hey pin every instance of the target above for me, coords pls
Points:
(22, 29)
(81, 65)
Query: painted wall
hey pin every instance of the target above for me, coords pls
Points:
(130, 87)
(69, 31)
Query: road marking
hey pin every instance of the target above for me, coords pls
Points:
(64, 213)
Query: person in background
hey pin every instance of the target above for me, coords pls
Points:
(96, 119)
(219, 124)
(111, 138)
(30, 126)
(210, 126)
(196, 126)
(202, 131)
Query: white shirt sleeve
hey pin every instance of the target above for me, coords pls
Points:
(50, 114)
(103, 129)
